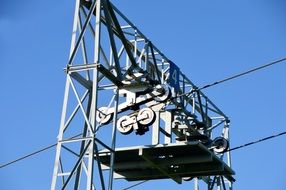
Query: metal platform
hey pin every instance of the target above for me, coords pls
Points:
(175, 161)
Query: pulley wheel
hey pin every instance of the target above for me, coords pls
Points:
(165, 93)
(124, 125)
(220, 144)
(102, 115)
(146, 116)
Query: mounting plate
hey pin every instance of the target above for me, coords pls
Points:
(175, 161)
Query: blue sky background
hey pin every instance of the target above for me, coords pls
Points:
(208, 40)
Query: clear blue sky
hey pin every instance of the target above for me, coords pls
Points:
(209, 40)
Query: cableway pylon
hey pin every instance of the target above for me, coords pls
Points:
(127, 113)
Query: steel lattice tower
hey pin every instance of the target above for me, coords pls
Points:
(118, 81)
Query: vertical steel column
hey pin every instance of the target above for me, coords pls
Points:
(228, 154)
(83, 143)
(92, 147)
(155, 129)
(65, 103)
(196, 184)
(168, 127)
(113, 143)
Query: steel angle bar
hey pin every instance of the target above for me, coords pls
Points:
(214, 111)
(84, 166)
(135, 44)
(113, 140)
(83, 47)
(85, 170)
(88, 84)
(99, 167)
(138, 40)
(120, 32)
(87, 4)
(164, 132)
(215, 125)
(154, 59)
(109, 75)
(81, 80)
(155, 53)
(201, 107)
(60, 135)
(109, 22)
(104, 70)
(103, 144)
(94, 97)
(136, 184)
(120, 52)
(62, 170)
(93, 33)
(77, 68)
(112, 100)
(70, 150)
(90, 167)
(74, 30)
(75, 139)
(64, 174)
(204, 96)
(111, 57)
(208, 122)
(147, 158)
(128, 33)
(76, 165)
(198, 106)
(81, 106)
(188, 99)
(184, 89)
(82, 32)
(219, 118)
(79, 170)
(107, 63)
(213, 182)
(223, 183)
(141, 56)
(134, 27)
(75, 110)
(146, 57)
(196, 183)
(126, 27)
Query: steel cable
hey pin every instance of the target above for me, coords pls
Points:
(234, 76)
(27, 156)
(33, 153)
(256, 141)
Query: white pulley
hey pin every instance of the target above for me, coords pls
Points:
(220, 144)
(102, 115)
(146, 116)
(164, 93)
(125, 125)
